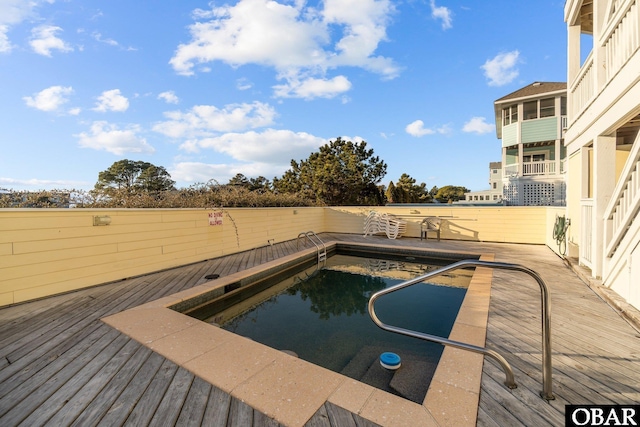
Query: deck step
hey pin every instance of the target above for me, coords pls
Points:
(362, 361)
(410, 381)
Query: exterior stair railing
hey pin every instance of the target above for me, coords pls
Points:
(547, 392)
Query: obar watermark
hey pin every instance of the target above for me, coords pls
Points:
(602, 415)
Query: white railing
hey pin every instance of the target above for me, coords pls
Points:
(586, 232)
(510, 170)
(621, 37)
(545, 167)
(582, 90)
(625, 202)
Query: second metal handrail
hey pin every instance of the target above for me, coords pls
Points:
(321, 248)
(547, 392)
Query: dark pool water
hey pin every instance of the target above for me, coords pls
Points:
(323, 318)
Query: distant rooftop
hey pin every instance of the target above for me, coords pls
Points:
(535, 88)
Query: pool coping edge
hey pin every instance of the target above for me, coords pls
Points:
(452, 398)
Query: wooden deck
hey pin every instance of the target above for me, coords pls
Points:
(60, 365)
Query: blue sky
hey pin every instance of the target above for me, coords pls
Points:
(208, 90)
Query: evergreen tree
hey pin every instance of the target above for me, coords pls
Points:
(132, 176)
(340, 173)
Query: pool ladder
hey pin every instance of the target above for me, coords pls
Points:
(321, 248)
(547, 392)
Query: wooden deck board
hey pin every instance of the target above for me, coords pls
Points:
(217, 409)
(59, 399)
(33, 392)
(124, 404)
(16, 373)
(240, 414)
(173, 401)
(119, 373)
(59, 365)
(149, 401)
(195, 404)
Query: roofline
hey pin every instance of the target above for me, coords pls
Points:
(522, 98)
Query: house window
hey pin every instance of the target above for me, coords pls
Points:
(547, 107)
(495, 171)
(527, 158)
(481, 197)
(495, 185)
(510, 115)
(563, 106)
(495, 197)
(530, 110)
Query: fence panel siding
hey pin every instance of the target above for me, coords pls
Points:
(50, 251)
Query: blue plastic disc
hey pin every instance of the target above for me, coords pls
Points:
(390, 360)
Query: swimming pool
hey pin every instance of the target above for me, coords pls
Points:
(291, 390)
(320, 314)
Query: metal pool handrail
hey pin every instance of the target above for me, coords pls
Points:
(547, 392)
(321, 248)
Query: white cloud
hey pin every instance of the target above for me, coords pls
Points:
(111, 100)
(502, 70)
(293, 39)
(243, 84)
(442, 13)
(38, 184)
(478, 125)
(205, 120)
(313, 88)
(44, 40)
(169, 97)
(198, 172)
(5, 44)
(49, 99)
(108, 137)
(268, 153)
(13, 12)
(98, 37)
(276, 147)
(109, 41)
(417, 129)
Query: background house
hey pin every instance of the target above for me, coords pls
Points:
(530, 123)
(491, 196)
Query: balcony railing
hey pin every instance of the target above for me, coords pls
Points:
(620, 39)
(586, 232)
(545, 167)
(625, 202)
(582, 91)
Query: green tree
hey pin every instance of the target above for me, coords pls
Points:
(391, 193)
(409, 192)
(134, 176)
(154, 179)
(240, 180)
(260, 184)
(433, 192)
(450, 193)
(340, 173)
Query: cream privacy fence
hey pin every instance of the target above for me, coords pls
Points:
(49, 251)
